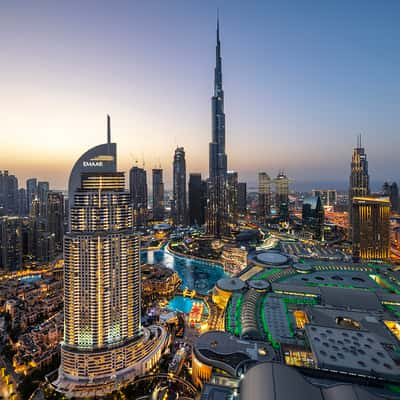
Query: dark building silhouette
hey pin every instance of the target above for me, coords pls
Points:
(392, 191)
(10, 243)
(197, 199)
(242, 197)
(8, 194)
(31, 191)
(313, 216)
(179, 209)
(217, 214)
(55, 218)
(138, 190)
(370, 231)
(43, 190)
(22, 202)
(158, 194)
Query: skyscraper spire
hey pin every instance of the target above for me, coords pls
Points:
(108, 129)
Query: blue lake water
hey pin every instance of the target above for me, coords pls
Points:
(30, 278)
(198, 275)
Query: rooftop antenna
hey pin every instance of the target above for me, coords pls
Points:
(108, 129)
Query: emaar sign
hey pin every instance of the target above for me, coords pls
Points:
(93, 163)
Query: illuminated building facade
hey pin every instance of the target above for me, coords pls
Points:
(104, 345)
(359, 177)
(231, 191)
(217, 215)
(264, 196)
(179, 211)
(370, 232)
(234, 259)
(282, 195)
(158, 194)
(138, 189)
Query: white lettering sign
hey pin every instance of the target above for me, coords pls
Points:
(93, 163)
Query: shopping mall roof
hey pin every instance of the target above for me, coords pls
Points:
(272, 258)
(231, 284)
(350, 351)
(272, 381)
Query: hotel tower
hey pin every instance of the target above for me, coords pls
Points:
(104, 346)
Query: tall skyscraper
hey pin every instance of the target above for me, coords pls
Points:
(55, 218)
(370, 231)
(313, 216)
(264, 196)
(179, 211)
(158, 194)
(31, 191)
(197, 199)
(43, 190)
(282, 195)
(217, 216)
(10, 243)
(104, 345)
(8, 194)
(359, 178)
(138, 189)
(22, 202)
(231, 190)
(242, 197)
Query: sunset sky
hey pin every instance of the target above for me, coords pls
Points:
(301, 80)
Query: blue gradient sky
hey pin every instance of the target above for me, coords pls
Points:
(301, 80)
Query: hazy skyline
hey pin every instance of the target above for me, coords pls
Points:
(301, 80)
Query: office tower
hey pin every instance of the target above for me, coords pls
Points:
(264, 196)
(242, 197)
(8, 194)
(104, 345)
(217, 215)
(179, 210)
(55, 218)
(392, 191)
(197, 199)
(10, 243)
(45, 247)
(231, 190)
(370, 231)
(31, 191)
(359, 178)
(158, 194)
(313, 216)
(22, 202)
(43, 190)
(138, 190)
(282, 195)
(327, 196)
